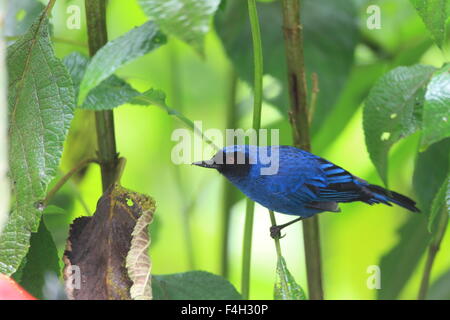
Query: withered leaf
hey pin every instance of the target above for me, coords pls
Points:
(98, 247)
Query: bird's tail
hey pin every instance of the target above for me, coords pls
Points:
(386, 196)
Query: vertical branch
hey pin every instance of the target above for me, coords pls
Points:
(98, 37)
(293, 38)
(257, 104)
(432, 252)
(4, 183)
(229, 191)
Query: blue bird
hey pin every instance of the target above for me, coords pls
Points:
(289, 180)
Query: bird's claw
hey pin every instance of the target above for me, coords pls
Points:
(275, 232)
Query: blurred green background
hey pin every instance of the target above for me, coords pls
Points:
(352, 240)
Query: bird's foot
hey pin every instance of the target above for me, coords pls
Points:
(275, 232)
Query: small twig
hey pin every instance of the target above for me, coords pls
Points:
(314, 92)
(65, 178)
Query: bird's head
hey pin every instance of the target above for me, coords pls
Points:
(231, 161)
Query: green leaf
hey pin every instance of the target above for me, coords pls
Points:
(116, 53)
(435, 14)
(431, 169)
(436, 109)
(20, 16)
(330, 35)
(188, 20)
(193, 285)
(392, 111)
(285, 286)
(41, 105)
(42, 259)
(110, 93)
(4, 180)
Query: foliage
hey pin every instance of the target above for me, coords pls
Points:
(396, 82)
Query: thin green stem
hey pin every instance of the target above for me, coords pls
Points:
(293, 39)
(229, 191)
(66, 177)
(104, 120)
(432, 252)
(257, 104)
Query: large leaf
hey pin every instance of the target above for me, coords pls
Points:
(110, 93)
(435, 14)
(330, 36)
(116, 53)
(436, 109)
(4, 182)
(41, 104)
(193, 285)
(106, 248)
(188, 20)
(393, 111)
(41, 260)
(285, 286)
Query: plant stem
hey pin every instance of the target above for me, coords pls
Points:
(98, 37)
(293, 38)
(229, 191)
(257, 104)
(432, 252)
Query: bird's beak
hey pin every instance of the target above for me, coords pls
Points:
(205, 164)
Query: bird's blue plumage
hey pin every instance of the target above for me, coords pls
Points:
(303, 185)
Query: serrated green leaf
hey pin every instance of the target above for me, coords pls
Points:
(4, 181)
(188, 20)
(42, 259)
(285, 286)
(330, 35)
(434, 14)
(20, 16)
(436, 109)
(41, 105)
(193, 285)
(110, 93)
(393, 110)
(118, 52)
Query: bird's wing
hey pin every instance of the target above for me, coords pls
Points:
(337, 184)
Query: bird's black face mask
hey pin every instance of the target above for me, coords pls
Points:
(235, 164)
